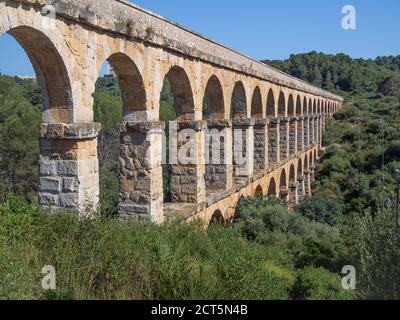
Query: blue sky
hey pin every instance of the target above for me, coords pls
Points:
(266, 29)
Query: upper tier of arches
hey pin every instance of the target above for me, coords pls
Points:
(67, 61)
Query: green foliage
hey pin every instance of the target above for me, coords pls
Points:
(103, 259)
(376, 243)
(305, 242)
(319, 284)
(322, 209)
(390, 86)
(109, 192)
(338, 72)
(19, 145)
(167, 109)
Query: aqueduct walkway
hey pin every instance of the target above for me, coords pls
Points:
(281, 118)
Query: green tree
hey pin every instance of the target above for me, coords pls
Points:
(19, 143)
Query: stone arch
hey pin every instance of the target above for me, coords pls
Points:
(272, 192)
(132, 87)
(310, 106)
(214, 98)
(259, 192)
(282, 105)
(51, 73)
(314, 110)
(319, 107)
(291, 109)
(217, 218)
(256, 104)
(299, 110)
(271, 107)
(182, 92)
(239, 101)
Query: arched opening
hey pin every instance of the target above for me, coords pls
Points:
(272, 192)
(259, 192)
(314, 107)
(176, 104)
(51, 74)
(271, 112)
(283, 187)
(239, 101)
(306, 164)
(182, 93)
(300, 180)
(290, 106)
(256, 104)
(292, 187)
(213, 103)
(34, 88)
(319, 107)
(306, 175)
(305, 106)
(109, 106)
(216, 139)
(120, 96)
(131, 86)
(282, 105)
(310, 106)
(299, 111)
(217, 218)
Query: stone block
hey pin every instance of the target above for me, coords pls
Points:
(47, 199)
(50, 184)
(48, 168)
(70, 185)
(69, 200)
(68, 168)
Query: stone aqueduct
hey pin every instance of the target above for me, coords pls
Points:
(67, 41)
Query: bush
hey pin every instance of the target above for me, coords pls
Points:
(319, 284)
(377, 251)
(321, 209)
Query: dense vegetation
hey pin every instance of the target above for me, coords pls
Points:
(267, 252)
(103, 259)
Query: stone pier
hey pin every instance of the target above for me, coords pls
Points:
(261, 144)
(69, 167)
(141, 178)
(219, 165)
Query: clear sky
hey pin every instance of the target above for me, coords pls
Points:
(268, 29)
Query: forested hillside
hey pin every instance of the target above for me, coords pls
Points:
(268, 252)
(363, 144)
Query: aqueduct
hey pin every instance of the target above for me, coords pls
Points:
(281, 118)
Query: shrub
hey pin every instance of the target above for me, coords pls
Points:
(321, 209)
(377, 251)
(319, 284)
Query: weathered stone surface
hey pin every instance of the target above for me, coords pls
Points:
(50, 185)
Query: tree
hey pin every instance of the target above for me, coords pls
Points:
(390, 87)
(19, 143)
